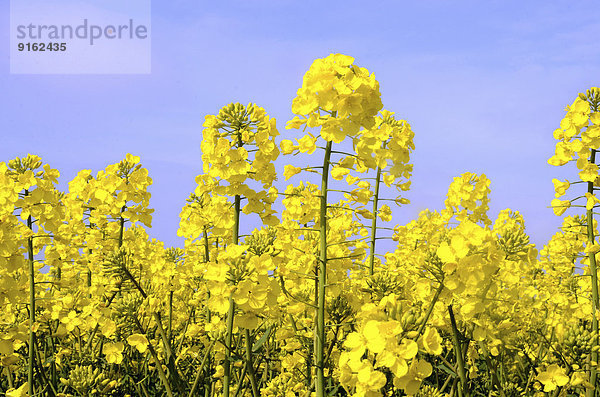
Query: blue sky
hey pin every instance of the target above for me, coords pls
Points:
(483, 85)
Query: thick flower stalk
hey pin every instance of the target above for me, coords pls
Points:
(38, 203)
(118, 260)
(238, 151)
(386, 149)
(580, 140)
(238, 147)
(471, 267)
(340, 98)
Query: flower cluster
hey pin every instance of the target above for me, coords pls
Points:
(304, 304)
(337, 96)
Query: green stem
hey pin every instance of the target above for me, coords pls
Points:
(374, 221)
(231, 312)
(30, 379)
(454, 388)
(174, 374)
(121, 226)
(492, 368)
(594, 273)
(322, 279)
(91, 337)
(201, 367)
(161, 373)
(170, 357)
(144, 390)
(430, 310)
(460, 364)
(121, 230)
(207, 387)
(249, 366)
(42, 373)
(206, 247)
(236, 226)
(240, 383)
(170, 326)
(9, 377)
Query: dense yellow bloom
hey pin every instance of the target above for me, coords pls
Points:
(139, 341)
(560, 188)
(289, 171)
(338, 172)
(432, 341)
(591, 201)
(381, 328)
(560, 206)
(238, 146)
(468, 198)
(113, 352)
(306, 144)
(411, 382)
(287, 146)
(347, 94)
(19, 392)
(553, 377)
(563, 154)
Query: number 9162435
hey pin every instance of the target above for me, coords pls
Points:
(42, 46)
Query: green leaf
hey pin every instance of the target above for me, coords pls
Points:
(261, 341)
(444, 368)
